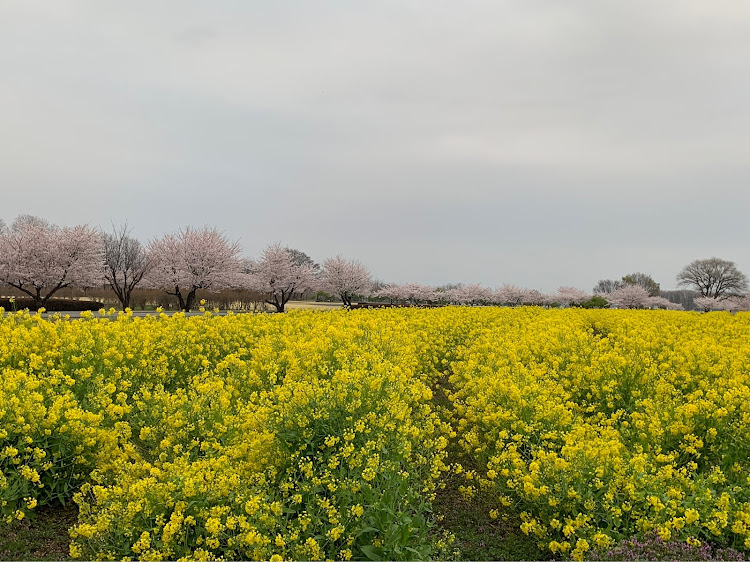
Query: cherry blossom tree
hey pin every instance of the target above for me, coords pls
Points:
(427, 293)
(193, 259)
(412, 293)
(478, 294)
(346, 278)
(661, 302)
(738, 303)
(473, 294)
(707, 304)
(735, 303)
(278, 275)
(629, 296)
(388, 291)
(416, 293)
(537, 298)
(570, 296)
(713, 277)
(126, 263)
(453, 295)
(39, 258)
(644, 280)
(510, 295)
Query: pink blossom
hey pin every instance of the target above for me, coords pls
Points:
(707, 304)
(277, 275)
(570, 296)
(416, 293)
(510, 295)
(661, 302)
(413, 293)
(193, 259)
(734, 303)
(470, 294)
(39, 258)
(390, 292)
(629, 296)
(346, 278)
(537, 298)
(738, 303)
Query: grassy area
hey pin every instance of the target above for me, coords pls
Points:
(43, 537)
(312, 305)
(478, 537)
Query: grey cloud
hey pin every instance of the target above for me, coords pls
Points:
(538, 142)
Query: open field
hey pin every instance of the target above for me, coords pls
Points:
(372, 434)
(312, 305)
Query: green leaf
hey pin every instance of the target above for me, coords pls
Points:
(371, 552)
(367, 530)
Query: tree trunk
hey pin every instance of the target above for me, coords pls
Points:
(125, 300)
(285, 298)
(111, 280)
(180, 299)
(190, 300)
(276, 304)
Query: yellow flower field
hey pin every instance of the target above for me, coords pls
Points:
(599, 425)
(316, 435)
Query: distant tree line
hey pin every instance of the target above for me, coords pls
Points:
(40, 259)
(711, 284)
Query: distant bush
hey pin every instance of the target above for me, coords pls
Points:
(595, 302)
(233, 299)
(53, 305)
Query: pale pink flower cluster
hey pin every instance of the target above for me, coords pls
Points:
(476, 294)
(731, 304)
(193, 259)
(570, 296)
(39, 258)
(473, 294)
(412, 293)
(278, 276)
(635, 296)
(346, 278)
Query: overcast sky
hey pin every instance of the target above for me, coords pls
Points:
(541, 143)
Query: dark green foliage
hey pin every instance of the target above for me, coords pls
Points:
(596, 301)
(53, 305)
(644, 280)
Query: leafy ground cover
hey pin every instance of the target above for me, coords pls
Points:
(41, 537)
